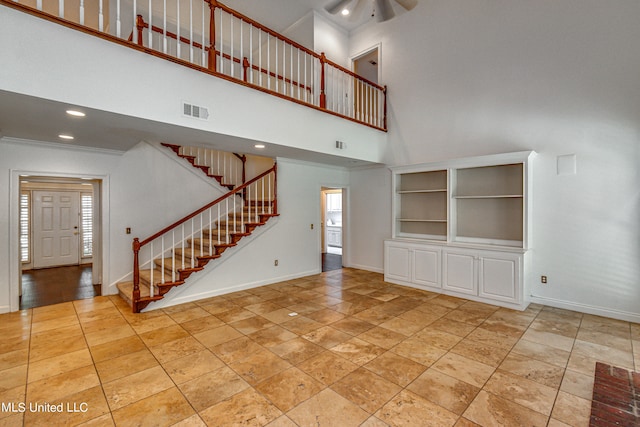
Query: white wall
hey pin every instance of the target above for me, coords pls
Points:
(371, 213)
(287, 238)
(470, 78)
(301, 31)
(330, 39)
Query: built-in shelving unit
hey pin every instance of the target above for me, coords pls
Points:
(462, 227)
(422, 200)
(488, 205)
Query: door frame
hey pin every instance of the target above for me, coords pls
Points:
(365, 52)
(101, 228)
(346, 243)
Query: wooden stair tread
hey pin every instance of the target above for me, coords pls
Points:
(190, 252)
(145, 276)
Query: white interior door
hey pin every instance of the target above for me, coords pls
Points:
(55, 228)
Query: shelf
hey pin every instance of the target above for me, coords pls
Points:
(422, 220)
(422, 191)
(497, 196)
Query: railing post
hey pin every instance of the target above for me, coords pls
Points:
(275, 188)
(135, 297)
(245, 67)
(139, 27)
(244, 169)
(384, 117)
(212, 35)
(323, 95)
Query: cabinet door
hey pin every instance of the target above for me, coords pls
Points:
(500, 276)
(460, 272)
(426, 267)
(397, 263)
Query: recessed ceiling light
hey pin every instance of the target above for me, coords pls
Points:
(63, 136)
(345, 12)
(76, 113)
(259, 146)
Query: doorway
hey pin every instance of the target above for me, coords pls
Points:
(59, 234)
(366, 65)
(332, 228)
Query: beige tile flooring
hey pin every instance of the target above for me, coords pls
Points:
(359, 352)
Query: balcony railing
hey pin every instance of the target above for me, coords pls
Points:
(210, 36)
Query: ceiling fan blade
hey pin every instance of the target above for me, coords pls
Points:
(407, 4)
(337, 7)
(356, 13)
(384, 10)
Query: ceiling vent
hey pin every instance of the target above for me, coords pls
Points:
(195, 111)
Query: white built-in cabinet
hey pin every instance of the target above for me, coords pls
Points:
(462, 227)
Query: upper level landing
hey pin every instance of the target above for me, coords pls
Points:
(130, 94)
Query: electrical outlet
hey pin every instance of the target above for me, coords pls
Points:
(312, 226)
(275, 263)
(543, 279)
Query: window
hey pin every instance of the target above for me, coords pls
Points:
(25, 210)
(86, 208)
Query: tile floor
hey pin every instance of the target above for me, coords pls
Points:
(361, 352)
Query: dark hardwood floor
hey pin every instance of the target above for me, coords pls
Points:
(331, 262)
(55, 285)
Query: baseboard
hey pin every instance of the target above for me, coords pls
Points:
(586, 308)
(5, 309)
(227, 290)
(367, 268)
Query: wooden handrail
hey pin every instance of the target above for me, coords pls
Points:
(244, 61)
(287, 40)
(204, 208)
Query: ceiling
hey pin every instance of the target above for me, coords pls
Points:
(37, 119)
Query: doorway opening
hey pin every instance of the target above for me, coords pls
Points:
(59, 235)
(332, 235)
(367, 66)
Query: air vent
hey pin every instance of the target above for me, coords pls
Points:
(195, 111)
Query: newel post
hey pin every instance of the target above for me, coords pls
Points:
(212, 35)
(135, 297)
(139, 28)
(323, 95)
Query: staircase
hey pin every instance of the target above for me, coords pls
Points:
(168, 258)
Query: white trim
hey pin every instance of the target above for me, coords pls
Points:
(285, 160)
(15, 275)
(367, 268)
(222, 291)
(468, 162)
(5, 309)
(353, 58)
(346, 241)
(587, 308)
